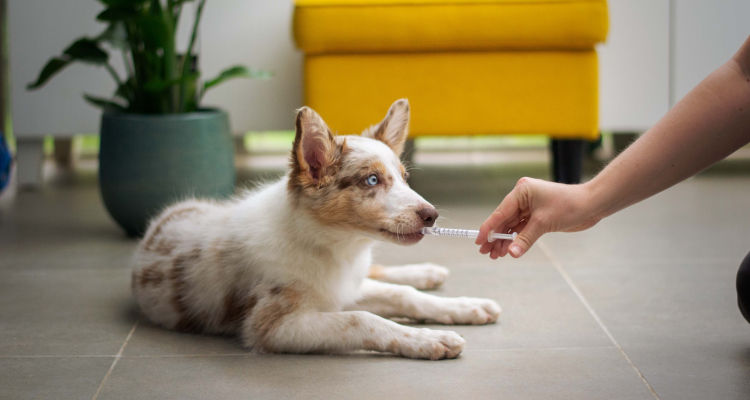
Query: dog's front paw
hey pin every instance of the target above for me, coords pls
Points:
(429, 344)
(468, 311)
(423, 276)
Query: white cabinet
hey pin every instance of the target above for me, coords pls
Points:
(658, 50)
(634, 65)
(705, 35)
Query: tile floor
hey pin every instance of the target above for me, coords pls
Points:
(642, 306)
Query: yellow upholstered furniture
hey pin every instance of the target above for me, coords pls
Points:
(466, 66)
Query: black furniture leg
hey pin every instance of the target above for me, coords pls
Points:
(567, 160)
(743, 287)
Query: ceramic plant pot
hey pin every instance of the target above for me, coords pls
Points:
(147, 162)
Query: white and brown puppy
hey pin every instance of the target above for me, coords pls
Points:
(285, 266)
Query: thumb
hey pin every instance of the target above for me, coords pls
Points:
(526, 238)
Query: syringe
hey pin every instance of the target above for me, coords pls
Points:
(469, 233)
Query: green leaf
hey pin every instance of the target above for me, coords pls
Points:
(126, 90)
(237, 71)
(155, 7)
(52, 67)
(86, 50)
(123, 3)
(116, 35)
(105, 104)
(156, 33)
(117, 14)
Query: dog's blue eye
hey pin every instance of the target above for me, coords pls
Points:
(372, 180)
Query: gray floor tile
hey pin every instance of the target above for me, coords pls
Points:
(696, 371)
(51, 377)
(539, 309)
(678, 322)
(151, 340)
(663, 303)
(66, 312)
(532, 374)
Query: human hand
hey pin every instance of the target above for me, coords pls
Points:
(533, 208)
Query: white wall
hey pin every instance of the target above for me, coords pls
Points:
(257, 33)
(635, 71)
(37, 30)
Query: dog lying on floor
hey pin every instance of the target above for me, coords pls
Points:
(285, 266)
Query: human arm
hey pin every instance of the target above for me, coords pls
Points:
(709, 123)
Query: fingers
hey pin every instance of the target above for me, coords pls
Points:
(506, 212)
(526, 238)
(500, 249)
(513, 214)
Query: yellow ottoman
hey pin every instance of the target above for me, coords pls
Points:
(467, 66)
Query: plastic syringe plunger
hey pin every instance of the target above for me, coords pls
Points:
(467, 233)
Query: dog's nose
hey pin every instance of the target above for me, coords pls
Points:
(428, 215)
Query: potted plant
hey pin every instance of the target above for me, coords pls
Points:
(157, 144)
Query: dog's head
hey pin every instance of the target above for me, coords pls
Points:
(358, 182)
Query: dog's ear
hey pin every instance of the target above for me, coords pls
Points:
(394, 128)
(314, 146)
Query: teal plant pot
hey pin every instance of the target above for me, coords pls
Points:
(147, 162)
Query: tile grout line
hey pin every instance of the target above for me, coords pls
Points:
(114, 362)
(558, 266)
(21, 356)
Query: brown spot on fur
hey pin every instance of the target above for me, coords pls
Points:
(393, 346)
(351, 177)
(223, 252)
(189, 321)
(234, 308)
(275, 290)
(353, 321)
(150, 275)
(165, 247)
(250, 304)
(369, 344)
(346, 208)
(348, 181)
(376, 271)
(149, 241)
(379, 169)
(268, 317)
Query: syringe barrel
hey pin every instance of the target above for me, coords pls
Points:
(455, 232)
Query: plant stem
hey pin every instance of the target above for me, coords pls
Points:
(114, 74)
(170, 62)
(128, 64)
(186, 59)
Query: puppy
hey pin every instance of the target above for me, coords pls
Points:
(286, 266)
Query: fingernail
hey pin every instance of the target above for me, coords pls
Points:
(516, 250)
